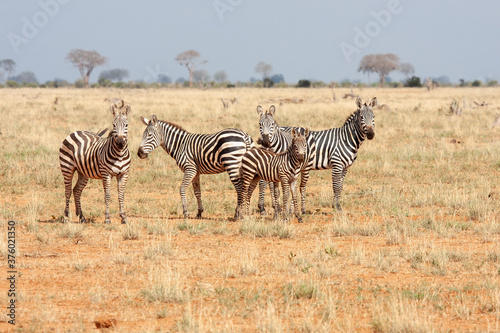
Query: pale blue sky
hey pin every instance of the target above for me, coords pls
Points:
(320, 40)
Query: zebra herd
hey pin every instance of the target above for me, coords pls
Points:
(286, 153)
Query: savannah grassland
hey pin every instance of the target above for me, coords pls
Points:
(417, 248)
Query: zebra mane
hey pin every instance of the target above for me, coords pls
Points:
(349, 119)
(179, 127)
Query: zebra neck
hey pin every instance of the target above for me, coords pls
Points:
(172, 138)
(281, 140)
(353, 132)
(294, 159)
(114, 149)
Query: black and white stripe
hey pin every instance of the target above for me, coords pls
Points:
(336, 148)
(285, 167)
(197, 154)
(97, 157)
(278, 139)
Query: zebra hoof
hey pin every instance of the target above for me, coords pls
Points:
(124, 221)
(65, 219)
(300, 220)
(198, 216)
(107, 221)
(82, 219)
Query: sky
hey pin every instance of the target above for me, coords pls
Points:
(316, 40)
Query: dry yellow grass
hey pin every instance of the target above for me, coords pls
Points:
(417, 248)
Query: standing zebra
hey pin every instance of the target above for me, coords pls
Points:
(197, 154)
(278, 139)
(336, 148)
(285, 167)
(94, 156)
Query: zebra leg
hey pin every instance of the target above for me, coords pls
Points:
(77, 191)
(121, 183)
(275, 194)
(68, 178)
(251, 188)
(293, 188)
(262, 193)
(304, 177)
(189, 174)
(286, 192)
(106, 182)
(197, 194)
(337, 183)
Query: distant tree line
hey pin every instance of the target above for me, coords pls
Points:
(87, 61)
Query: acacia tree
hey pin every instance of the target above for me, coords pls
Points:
(190, 59)
(9, 66)
(407, 69)
(382, 64)
(85, 61)
(264, 69)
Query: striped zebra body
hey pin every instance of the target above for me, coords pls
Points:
(197, 154)
(278, 139)
(337, 148)
(285, 167)
(97, 157)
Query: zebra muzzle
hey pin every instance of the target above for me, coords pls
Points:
(141, 153)
(265, 141)
(370, 133)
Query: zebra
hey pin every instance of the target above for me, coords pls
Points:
(278, 139)
(197, 154)
(263, 164)
(97, 157)
(336, 148)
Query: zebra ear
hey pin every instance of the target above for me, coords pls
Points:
(145, 121)
(306, 132)
(154, 119)
(127, 110)
(294, 133)
(260, 110)
(359, 102)
(112, 109)
(272, 110)
(374, 102)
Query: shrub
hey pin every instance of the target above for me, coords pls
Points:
(477, 83)
(414, 81)
(268, 83)
(304, 84)
(12, 84)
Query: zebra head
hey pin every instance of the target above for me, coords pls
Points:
(367, 117)
(299, 144)
(120, 124)
(150, 138)
(267, 125)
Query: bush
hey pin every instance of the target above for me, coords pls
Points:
(492, 83)
(12, 84)
(477, 83)
(414, 81)
(268, 83)
(304, 84)
(79, 83)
